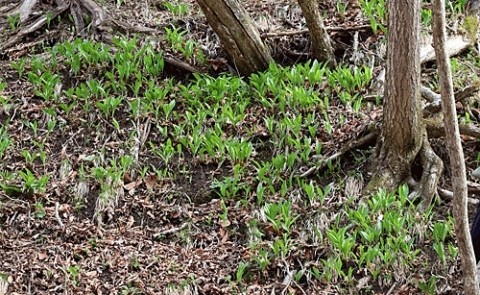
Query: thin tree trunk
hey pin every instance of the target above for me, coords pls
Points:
(238, 34)
(401, 137)
(321, 45)
(454, 145)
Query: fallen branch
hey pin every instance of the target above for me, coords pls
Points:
(40, 22)
(371, 137)
(78, 9)
(430, 95)
(454, 45)
(306, 31)
(446, 194)
(98, 14)
(438, 130)
(26, 9)
(473, 188)
(435, 104)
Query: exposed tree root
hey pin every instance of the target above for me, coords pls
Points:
(390, 169)
(100, 22)
(432, 170)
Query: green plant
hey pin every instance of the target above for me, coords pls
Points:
(73, 272)
(426, 17)
(130, 290)
(19, 66)
(134, 263)
(428, 287)
(282, 246)
(39, 210)
(188, 48)
(332, 269)
(109, 105)
(177, 8)
(471, 26)
(280, 215)
(456, 7)
(341, 8)
(376, 12)
(45, 84)
(262, 259)
(13, 21)
(32, 184)
(5, 141)
(341, 241)
(241, 269)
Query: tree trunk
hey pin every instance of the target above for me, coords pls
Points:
(321, 45)
(238, 34)
(402, 130)
(454, 146)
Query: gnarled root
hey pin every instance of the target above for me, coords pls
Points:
(390, 176)
(432, 170)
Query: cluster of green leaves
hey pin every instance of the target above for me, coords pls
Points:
(455, 8)
(186, 47)
(380, 236)
(24, 181)
(376, 12)
(177, 8)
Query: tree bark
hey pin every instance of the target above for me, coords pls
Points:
(238, 34)
(401, 137)
(454, 146)
(321, 45)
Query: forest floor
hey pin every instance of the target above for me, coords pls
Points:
(139, 163)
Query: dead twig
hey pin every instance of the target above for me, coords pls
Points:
(180, 64)
(170, 230)
(57, 215)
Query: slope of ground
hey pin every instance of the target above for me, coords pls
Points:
(122, 172)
